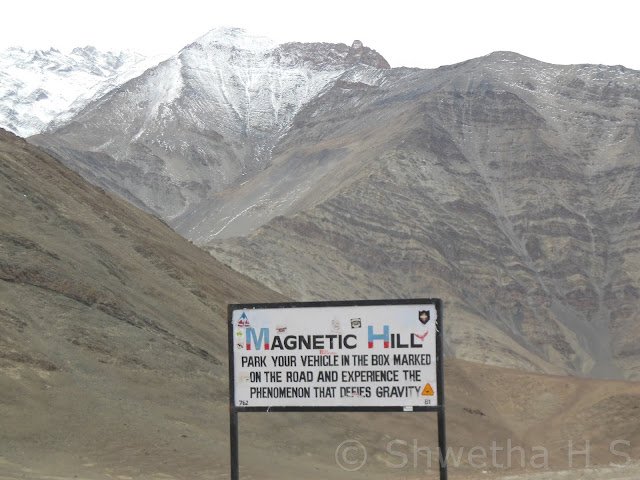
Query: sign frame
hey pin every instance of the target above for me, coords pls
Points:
(234, 410)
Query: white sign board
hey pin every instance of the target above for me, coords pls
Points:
(363, 356)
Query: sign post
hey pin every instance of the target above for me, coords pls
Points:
(364, 356)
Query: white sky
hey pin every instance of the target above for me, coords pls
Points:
(407, 33)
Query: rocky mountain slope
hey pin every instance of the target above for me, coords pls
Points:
(505, 185)
(113, 361)
(202, 120)
(43, 87)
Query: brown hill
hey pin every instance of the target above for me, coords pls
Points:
(111, 325)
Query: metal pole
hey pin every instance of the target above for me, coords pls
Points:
(233, 413)
(442, 444)
(442, 432)
(233, 435)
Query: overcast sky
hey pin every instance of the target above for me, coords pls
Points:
(416, 34)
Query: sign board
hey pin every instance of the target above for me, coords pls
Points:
(381, 355)
(377, 355)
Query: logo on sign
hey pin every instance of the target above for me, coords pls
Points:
(244, 320)
(424, 316)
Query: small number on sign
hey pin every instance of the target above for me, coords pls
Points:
(243, 403)
(427, 402)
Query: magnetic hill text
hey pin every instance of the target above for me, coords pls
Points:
(264, 340)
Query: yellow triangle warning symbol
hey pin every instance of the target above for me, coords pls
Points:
(427, 391)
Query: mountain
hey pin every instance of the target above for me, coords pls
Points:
(113, 364)
(507, 186)
(113, 361)
(38, 87)
(202, 120)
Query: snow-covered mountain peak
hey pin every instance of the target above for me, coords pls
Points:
(37, 86)
(108, 59)
(235, 38)
(250, 77)
(255, 86)
(210, 115)
(237, 43)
